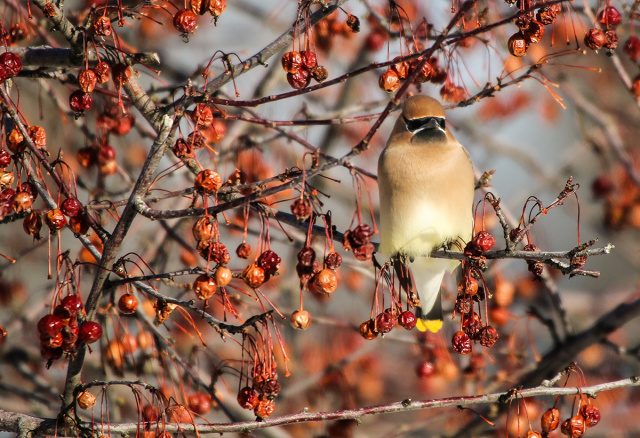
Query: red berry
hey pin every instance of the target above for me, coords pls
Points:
(306, 256)
(49, 326)
(128, 304)
(30, 189)
(326, 281)
(5, 158)
(292, 61)
(185, 21)
(72, 304)
(333, 260)
(269, 261)
(200, 403)
(79, 101)
(389, 81)
(55, 219)
(361, 235)
(247, 398)
(461, 343)
(71, 207)
(595, 39)
(90, 332)
(87, 80)
(407, 319)
(102, 26)
(426, 73)
(518, 44)
(309, 59)
(484, 241)
(488, 336)
(610, 16)
(632, 48)
(384, 322)
(301, 209)
(425, 369)
(368, 330)
(11, 62)
(299, 79)
(591, 415)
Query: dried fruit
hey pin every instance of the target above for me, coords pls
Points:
(38, 135)
(518, 44)
(612, 39)
(361, 235)
(461, 343)
(200, 403)
(306, 256)
(204, 286)
(55, 219)
(326, 281)
(21, 202)
(534, 32)
(79, 101)
(5, 158)
(425, 369)
(269, 261)
(102, 26)
(610, 16)
(205, 228)
(87, 80)
(121, 74)
(247, 398)
(591, 414)
(32, 225)
(426, 72)
(208, 181)
(534, 266)
(595, 39)
(550, 420)
(300, 79)
(401, 69)
(70, 207)
(319, 73)
(223, 276)
(128, 304)
(292, 61)
(185, 21)
(102, 71)
(243, 250)
(384, 322)
(86, 400)
(90, 332)
(253, 275)
(484, 241)
(389, 81)
(368, 330)
(548, 14)
(488, 336)
(300, 319)
(309, 60)
(265, 407)
(202, 115)
(301, 209)
(11, 62)
(333, 260)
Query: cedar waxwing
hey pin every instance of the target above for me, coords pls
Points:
(426, 184)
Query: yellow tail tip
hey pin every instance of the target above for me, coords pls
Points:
(433, 325)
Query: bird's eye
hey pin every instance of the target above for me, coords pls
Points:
(414, 125)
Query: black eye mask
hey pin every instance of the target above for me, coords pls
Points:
(414, 125)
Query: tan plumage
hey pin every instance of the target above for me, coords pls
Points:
(425, 179)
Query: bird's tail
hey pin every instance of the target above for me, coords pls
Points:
(425, 279)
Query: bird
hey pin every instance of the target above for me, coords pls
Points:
(426, 187)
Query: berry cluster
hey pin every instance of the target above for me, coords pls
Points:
(59, 331)
(604, 35)
(385, 321)
(260, 396)
(10, 66)
(302, 67)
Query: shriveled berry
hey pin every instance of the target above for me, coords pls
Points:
(550, 420)
(38, 135)
(55, 219)
(243, 250)
(319, 73)
(353, 23)
(389, 81)
(5, 158)
(121, 73)
(610, 16)
(468, 285)
(361, 235)
(426, 72)
(577, 426)
(612, 39)
(185, 21)
(484, 241)
(265, 407)
(11, 62)
(205, 228)
(90, 332)
(306, 256)
(471, 325)
(87, 80)
(253, 276)
(309, 59)
(204, 286)
(202, 115)
(407, 319)
(548, 14)
(326, 281)
(79, 101)
(86, 400)
(488, 336)
(208, 181)
(333, 260)
(49, 326)
(70, 207)
(367, 330)
(32, 225)
(269, 261)
(534, 32)
(21, 202)
(364, 253)
(215, 251)
(102, 71)
(452, 93)
(534, 266)
(247, 398)
(591, 414)
(595, 39)
(300, 79)
(102, 26)
(384, 322)
(128, 304)
(300, 319)
(292, 61)
(461, 343)
(402, 68)
(301, 209)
